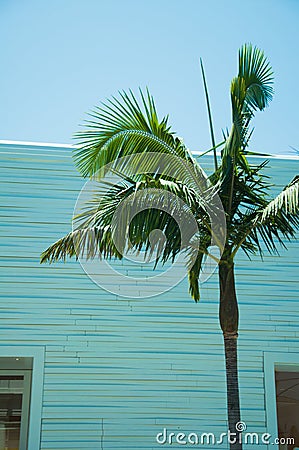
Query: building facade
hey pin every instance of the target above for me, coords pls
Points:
(82, 368)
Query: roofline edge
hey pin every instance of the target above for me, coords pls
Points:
(72, 146)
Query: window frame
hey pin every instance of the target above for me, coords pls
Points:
(275, 362)
(25, 413)
(34, 395)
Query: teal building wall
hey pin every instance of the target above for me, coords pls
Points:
(118, 371)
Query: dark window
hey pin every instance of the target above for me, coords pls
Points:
(287, 400)
(15, 384)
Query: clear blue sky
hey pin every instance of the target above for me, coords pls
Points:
(59, 58)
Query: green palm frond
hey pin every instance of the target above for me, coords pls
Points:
(193, 277)
(198, 254)
(287, 201)
(257, 74)
(209, 114)
(279, 219)
(122, 127)
(89, 242)
(271, 222)
(251, 90)
(108, 216)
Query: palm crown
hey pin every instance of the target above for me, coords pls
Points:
(122, 127)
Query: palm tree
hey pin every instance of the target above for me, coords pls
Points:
(254, 222)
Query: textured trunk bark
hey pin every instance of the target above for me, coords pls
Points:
(229, 321)
(232, 388)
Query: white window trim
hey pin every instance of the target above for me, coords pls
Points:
(26, 374)
(37, 383)
(282, 362)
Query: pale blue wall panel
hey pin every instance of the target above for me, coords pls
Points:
(119, 370)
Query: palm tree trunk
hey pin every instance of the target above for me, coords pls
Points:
(229, 320)
(232, 388)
